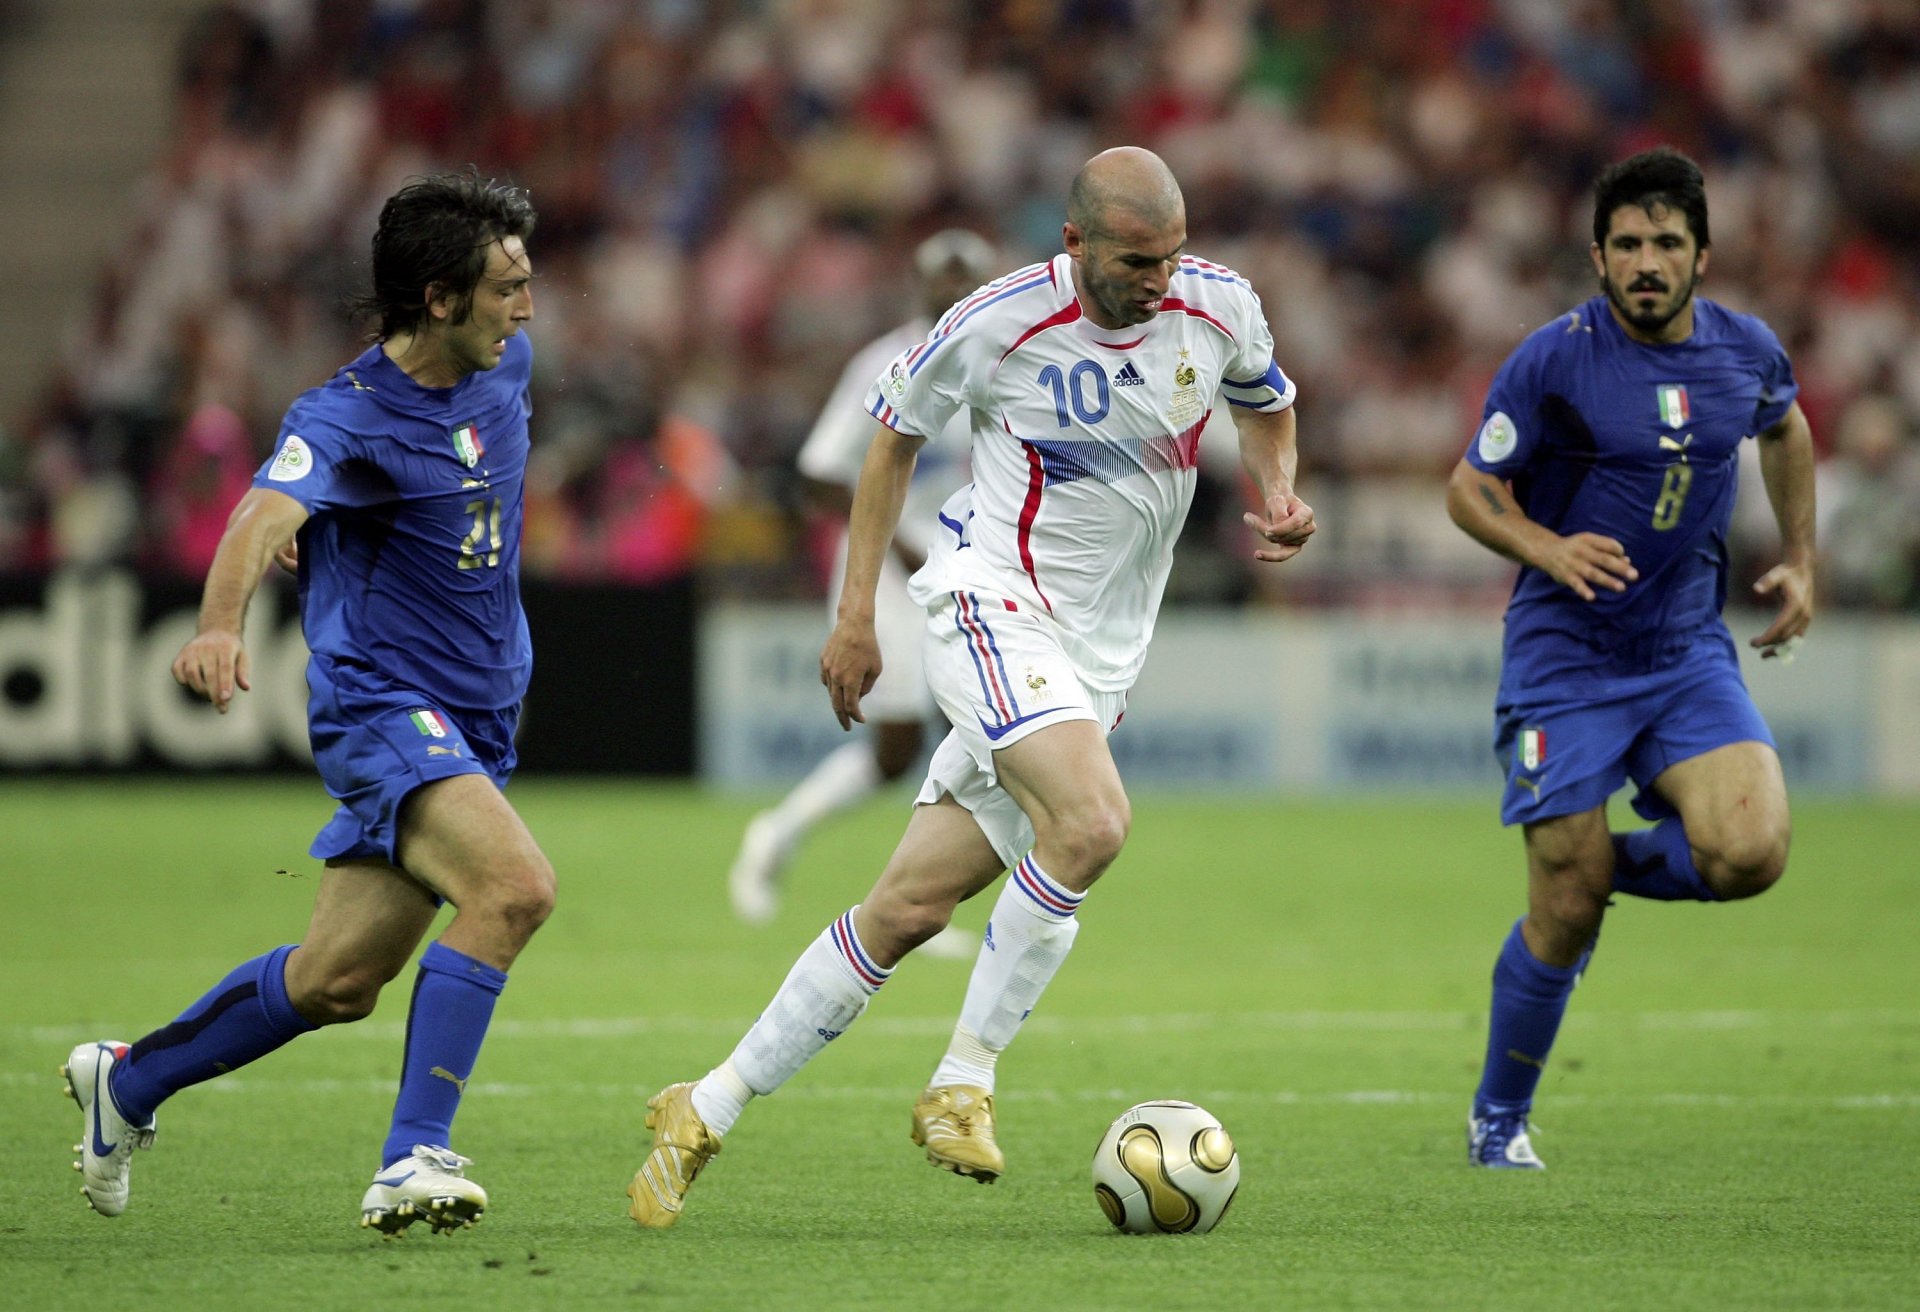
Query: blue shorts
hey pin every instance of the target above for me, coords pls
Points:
(1567, 754)
(373, 749)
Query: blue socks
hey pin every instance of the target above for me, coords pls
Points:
(453, 998)
(1529, 998)
(244, 1016)
(1657, 863)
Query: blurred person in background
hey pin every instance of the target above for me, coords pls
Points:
(401, 481)
(1870, 507)
(948, 265)
(1606, 464)
(1087, 380)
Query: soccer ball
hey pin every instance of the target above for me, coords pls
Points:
(1165, 1168)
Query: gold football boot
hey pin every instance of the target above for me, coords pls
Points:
(682, 1146)
(954, 1123)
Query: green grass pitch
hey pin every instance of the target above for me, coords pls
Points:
(1731, 1118)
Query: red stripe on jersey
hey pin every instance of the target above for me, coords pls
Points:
(1183, 308)
(1118, 346)
(1036, 483)
(1066, 314)
(1186, 446)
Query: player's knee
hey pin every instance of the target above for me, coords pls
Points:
(914, 924)
(340, 997)
(896, 925)
(1092, 838)
(522, 898)
(1747, 864)
(1575, 909)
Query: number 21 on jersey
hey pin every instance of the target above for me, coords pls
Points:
(481, 545)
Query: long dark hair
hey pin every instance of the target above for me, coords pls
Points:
(434, 233)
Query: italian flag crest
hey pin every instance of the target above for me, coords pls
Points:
(431, 724)
(1673, 405)
(1533, 748)
(466, 445)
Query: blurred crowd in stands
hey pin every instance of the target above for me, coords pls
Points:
(728, 193)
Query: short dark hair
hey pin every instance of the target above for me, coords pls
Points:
(1661, 176)
(436, 231)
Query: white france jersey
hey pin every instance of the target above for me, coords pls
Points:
(837, 447)
(1084, 444)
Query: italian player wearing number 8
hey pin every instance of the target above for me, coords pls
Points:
(1605, 465)
(1086, 382)
(400, 480)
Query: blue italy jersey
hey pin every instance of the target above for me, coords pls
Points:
(410, 562)
(1599, 433)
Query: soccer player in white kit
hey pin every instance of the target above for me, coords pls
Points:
(948, 264)
(1087, 380)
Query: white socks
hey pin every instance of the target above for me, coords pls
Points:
(1031, 931)
(1029, 936)
(823, 994)
(844, 776)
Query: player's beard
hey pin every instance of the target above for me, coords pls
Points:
(1653, 322)
(1114, 299)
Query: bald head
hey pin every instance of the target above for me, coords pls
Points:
(1126, 226)
(1124, 183)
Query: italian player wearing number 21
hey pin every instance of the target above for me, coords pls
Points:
(1085, 382)
(1605, 464)
(395, 494)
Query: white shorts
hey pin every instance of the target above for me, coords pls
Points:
(900, 626)
(998, 674)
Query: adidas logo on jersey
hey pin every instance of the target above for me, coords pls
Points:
(1128, 376)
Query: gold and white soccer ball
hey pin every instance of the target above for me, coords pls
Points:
(1165, 1168)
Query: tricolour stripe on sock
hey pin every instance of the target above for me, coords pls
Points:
(1049, 897)
(871, 977)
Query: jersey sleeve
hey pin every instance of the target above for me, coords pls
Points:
(837, 446)
(926, 385)
(1778, 388)
(1509, 424)
(313, 463)
(1252, 379)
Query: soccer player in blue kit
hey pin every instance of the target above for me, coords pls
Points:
(1606, 465)
(396, 491)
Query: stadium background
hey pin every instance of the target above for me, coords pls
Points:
(728, 193)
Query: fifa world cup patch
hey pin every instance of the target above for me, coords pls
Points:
(1533, 748)
(1498, 437)
(466, 445)
(293, 463)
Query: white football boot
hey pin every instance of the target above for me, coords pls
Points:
(429, 1186)
(951, 944)
(753, 884)
(107, 1141)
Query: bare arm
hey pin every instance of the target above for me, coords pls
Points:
(836, 500)
(851, 660)
(1484, 508)
(262, 525)
(1269, 453)
(1786, 466)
